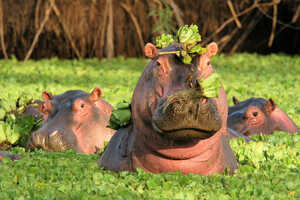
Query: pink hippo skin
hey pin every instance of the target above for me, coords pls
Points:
(73, 120)
(258, 116)
(173, 126)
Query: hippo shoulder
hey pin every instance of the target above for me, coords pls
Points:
(116, 155)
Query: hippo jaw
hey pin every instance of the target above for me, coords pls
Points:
(52, 141)
(186, 114)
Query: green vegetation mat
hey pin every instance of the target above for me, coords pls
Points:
(269, 168)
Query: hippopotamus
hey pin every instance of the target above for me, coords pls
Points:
(75, 120)
(258, 116)
(33, 110)
(11, 156)
(173, 126)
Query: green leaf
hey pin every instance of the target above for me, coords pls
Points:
(2, 113)
(2, 132)
(123, 105)
(187, 59)
(121, 116)
(163, 40)
(189, 34)
(12, 135)
(198, 49)
(210, 86)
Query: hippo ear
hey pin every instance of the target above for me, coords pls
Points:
(235, 100)
(95, 95)
(150, 51)
(270, 106)
(47, 96)
(40, 104)
(211, 49)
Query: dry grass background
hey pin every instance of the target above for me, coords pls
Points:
(106, 28)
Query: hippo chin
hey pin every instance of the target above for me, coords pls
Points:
(173, 126)
(73, 120)
(258, 116)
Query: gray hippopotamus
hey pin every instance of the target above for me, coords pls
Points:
(258, 116)
(11, 156)
(73, 120)
(173, 126)
(33, 110)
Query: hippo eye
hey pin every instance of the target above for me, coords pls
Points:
(255, 114)
(82, 106)
(208, 62)
(158, 63)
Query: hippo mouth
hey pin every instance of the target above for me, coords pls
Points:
(185, 132)
(54, 141)
(185, 115)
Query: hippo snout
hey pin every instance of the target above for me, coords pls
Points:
(38, 140)
(53, 141)
(186, 114)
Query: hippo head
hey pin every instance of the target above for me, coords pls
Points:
(73, 120)
(168, 97)
(258, 115)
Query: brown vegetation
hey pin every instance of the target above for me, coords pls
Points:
(107, 28)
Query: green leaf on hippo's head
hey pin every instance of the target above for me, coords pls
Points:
(187, 59)
(189, 40)
(210, 86)
(189, 34)
(198, 49)
(163, 40)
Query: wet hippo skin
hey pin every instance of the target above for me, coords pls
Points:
(73, 120)
(173, 126)
(258, 116)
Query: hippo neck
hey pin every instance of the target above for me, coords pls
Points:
(207, 156)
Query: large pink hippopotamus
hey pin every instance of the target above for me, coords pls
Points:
(174, 127)
(258, 116)
(73, 120)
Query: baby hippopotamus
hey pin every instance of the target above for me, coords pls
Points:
(73, 120)
(173, 126)
(258, 116)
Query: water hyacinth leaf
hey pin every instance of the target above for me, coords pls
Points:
(12, 135)
(188, 38)
(24, 100)
(188, 34)
(187, 59)
(198, 49)
(2, 113)
(5, 105)
(2, 132)
(121, 116)
(210, 86)
(123, 105)
(202, 51)
(163, 40)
